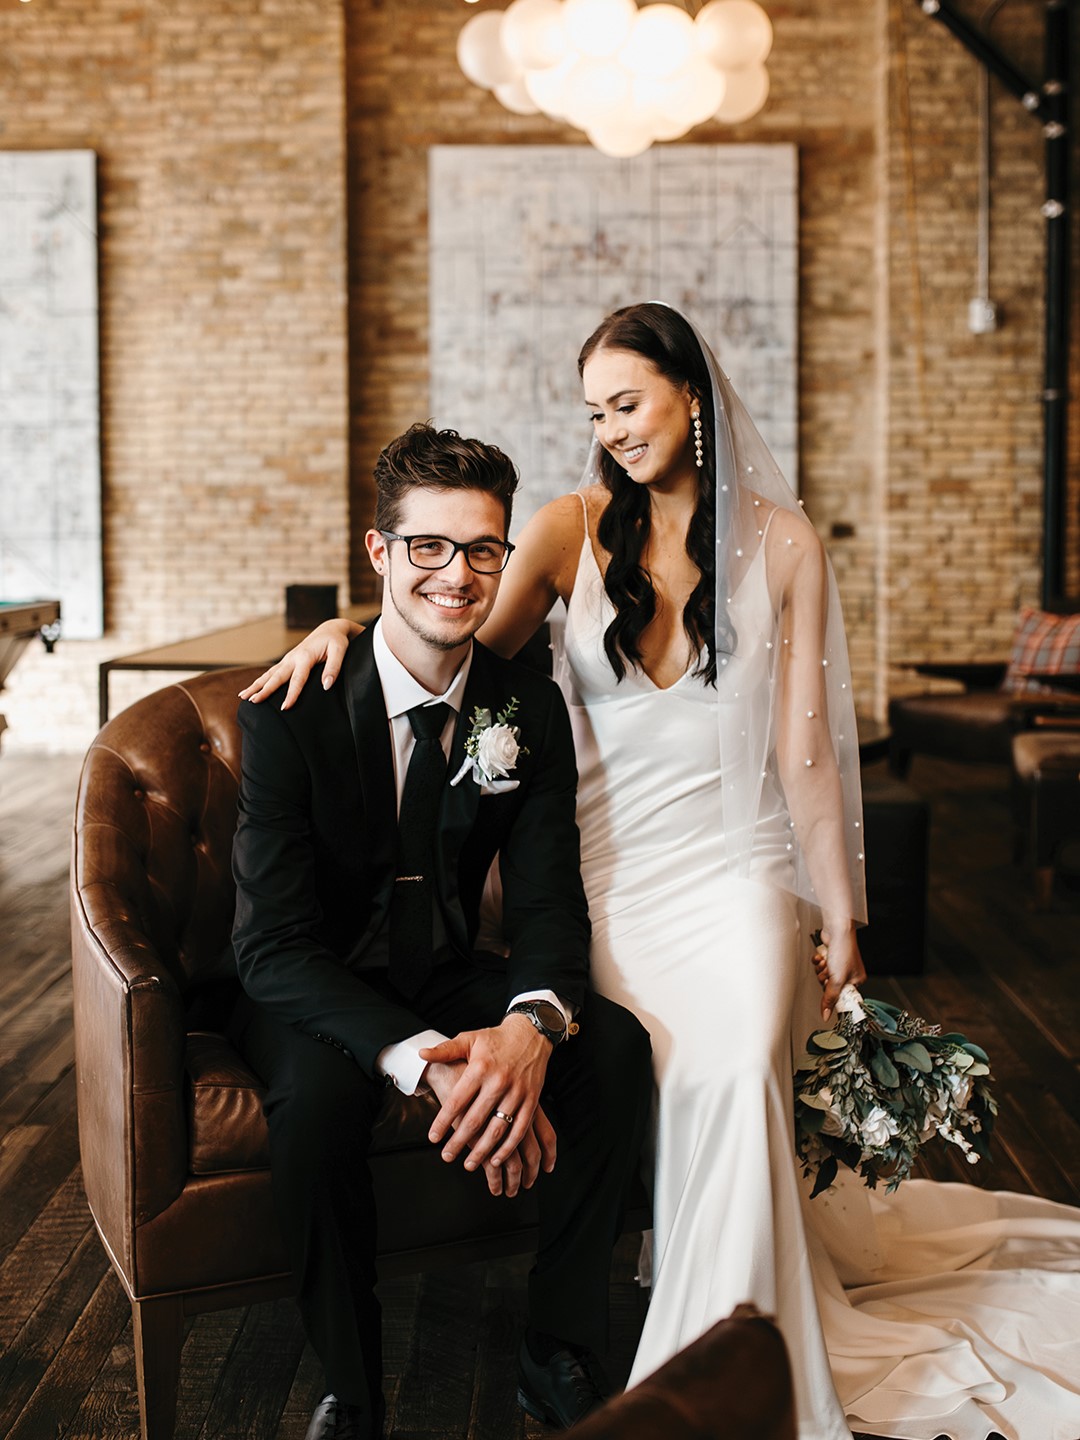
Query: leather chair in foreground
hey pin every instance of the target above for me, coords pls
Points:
(173, 1140)
(732, 1384)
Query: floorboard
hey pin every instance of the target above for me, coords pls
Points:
(996, 968)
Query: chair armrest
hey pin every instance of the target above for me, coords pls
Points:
(975, 674)
(1044, 712)
(129, 1053)
(735, 1380)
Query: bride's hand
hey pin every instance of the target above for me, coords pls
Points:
(328, 642)
(837, 963)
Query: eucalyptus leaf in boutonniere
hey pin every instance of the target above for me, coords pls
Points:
(493, 747)
(871, 1091)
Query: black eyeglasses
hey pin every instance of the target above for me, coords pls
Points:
(434, 552)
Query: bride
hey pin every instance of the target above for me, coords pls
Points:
(705, 667)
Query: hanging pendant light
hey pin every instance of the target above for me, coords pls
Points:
(626, 76)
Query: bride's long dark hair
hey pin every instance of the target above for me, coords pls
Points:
(663, 337)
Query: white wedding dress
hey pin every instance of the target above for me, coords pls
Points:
(941, 1310)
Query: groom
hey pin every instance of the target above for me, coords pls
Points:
(370, 815)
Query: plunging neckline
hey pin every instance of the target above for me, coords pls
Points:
(639, 670)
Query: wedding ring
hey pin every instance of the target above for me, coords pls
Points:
(502, 1115)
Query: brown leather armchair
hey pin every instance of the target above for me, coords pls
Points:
(975, 725)
(998, 699)
(173, 1140)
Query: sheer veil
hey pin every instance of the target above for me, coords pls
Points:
(761, 720)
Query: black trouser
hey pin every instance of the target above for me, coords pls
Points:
(321, 1109)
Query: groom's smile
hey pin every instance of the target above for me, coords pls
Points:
(446, 602)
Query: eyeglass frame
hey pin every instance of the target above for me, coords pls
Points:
(459, 545)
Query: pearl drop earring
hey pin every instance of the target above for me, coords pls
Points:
(698, 461)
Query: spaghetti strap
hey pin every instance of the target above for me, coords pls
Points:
(586, 541)
(584, 511)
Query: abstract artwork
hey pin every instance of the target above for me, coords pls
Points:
(531, 246)
(50, 450)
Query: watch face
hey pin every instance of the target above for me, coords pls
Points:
(550, 1016)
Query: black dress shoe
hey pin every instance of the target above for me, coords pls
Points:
(568, 1387)
(334, 1420)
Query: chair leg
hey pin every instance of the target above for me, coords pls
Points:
(159, 1335)
(899, 760)
(1043, 876)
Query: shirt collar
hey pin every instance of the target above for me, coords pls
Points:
(402, 691)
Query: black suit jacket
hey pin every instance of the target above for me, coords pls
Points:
(316, 850)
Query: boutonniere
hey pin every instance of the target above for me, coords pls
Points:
(493, 746)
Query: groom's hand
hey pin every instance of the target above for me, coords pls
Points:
(520, 1168)
(504, 1070)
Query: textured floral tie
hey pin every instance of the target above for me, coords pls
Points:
(412, 908)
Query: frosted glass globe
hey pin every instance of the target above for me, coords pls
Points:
(595, 90)
(621, 136)
(674, 104)
(661, 41)
(698, 91)
(533, 34)
(733, 34)
(514, 96)
(480, 53)
(547, 88)
(598, 28)
(747, 91)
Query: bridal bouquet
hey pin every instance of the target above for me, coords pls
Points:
(871, 1091)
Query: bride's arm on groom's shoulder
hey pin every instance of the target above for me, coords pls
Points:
(327, 641)
(540, 571)
(805, 757)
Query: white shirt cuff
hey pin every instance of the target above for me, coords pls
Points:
(401, 1061)
(567, 1009)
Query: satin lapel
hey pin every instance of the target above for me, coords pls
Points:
(374, 757)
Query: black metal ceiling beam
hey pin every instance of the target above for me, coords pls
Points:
(983, 48)
(1056, 209)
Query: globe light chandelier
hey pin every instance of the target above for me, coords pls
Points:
(625, 75)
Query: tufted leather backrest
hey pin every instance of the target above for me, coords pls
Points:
(155, 822)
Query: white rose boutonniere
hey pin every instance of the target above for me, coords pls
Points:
(493, 746)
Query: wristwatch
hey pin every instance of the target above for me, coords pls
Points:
(547, 1018)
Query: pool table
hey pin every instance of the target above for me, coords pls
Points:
(20, 621)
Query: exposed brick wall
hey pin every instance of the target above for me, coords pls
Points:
(220, 132)
(224, 333)
(964, 415)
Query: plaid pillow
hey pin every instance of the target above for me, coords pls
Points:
(1043, 645)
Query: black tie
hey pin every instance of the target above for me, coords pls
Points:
(412, 905)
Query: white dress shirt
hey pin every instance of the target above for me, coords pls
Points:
(401, 1061)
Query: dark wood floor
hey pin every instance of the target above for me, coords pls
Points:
(998, 970)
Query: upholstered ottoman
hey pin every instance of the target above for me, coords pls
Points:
(1046, 798)
(896, 822)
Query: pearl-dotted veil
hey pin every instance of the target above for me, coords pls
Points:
(765, 704)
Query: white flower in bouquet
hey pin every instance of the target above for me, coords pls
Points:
(959, 1089)
(878, 1128)
(834, 1120)
(873, 1089)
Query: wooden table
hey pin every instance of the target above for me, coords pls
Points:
(258, 642)
(20, 621)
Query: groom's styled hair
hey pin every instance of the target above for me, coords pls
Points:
(430, 459)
